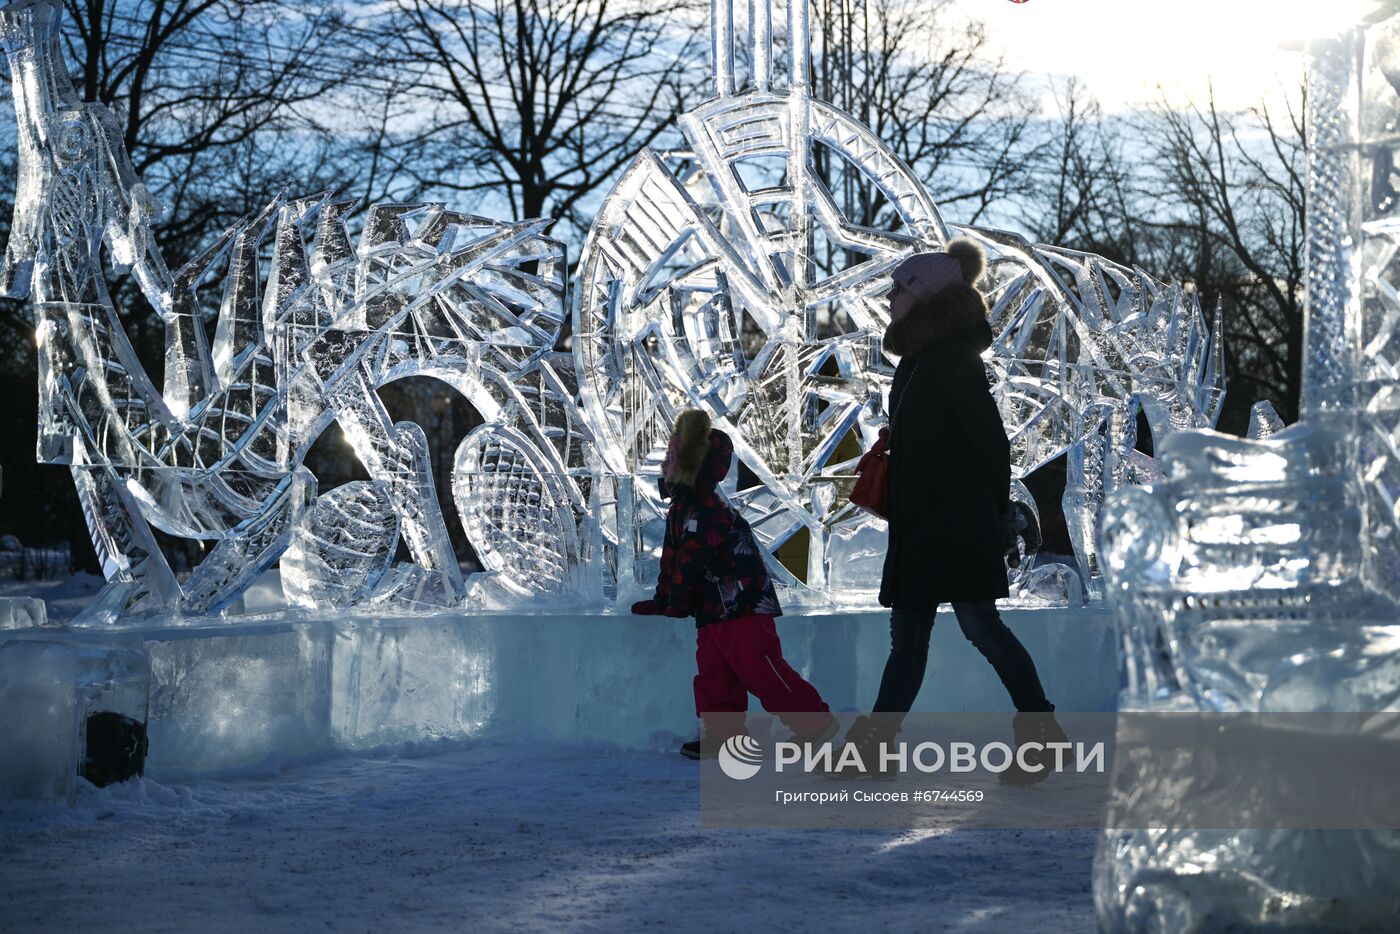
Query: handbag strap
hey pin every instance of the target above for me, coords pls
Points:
(904, 392)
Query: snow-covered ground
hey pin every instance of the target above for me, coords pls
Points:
(64, 596)
(483, 837)
(463, 836)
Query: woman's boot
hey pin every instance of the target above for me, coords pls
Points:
(1034, 727)
(869, 735)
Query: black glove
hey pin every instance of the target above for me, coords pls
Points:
(1012, 525)
(1019, 524)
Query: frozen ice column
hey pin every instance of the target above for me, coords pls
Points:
(1352, 335)
(1260, 575)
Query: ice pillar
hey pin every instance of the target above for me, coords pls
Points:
(761, 36)
(1332, 325)
(722, 46)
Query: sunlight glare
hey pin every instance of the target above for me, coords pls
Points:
(1125, 52)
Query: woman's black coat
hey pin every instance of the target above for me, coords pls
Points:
(950, 468)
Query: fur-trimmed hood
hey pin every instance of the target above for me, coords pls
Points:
(712, 567)
(698, 455)
(958, 309)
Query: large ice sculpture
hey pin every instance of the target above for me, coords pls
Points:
(217, 454)
(1261, 574)
(728, 277)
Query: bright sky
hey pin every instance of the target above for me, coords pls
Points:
(1123, 49)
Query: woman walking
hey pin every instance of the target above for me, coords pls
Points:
(949, 486)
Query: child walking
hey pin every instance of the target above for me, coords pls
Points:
(712, 569)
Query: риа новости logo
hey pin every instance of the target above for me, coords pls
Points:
(741, 757)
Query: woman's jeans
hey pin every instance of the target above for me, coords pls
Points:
(910, 628)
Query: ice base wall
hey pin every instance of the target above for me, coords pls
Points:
(229, 698)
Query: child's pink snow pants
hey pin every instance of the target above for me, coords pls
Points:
(743, 656)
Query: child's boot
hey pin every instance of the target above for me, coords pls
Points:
(715, 728)
(702, 748)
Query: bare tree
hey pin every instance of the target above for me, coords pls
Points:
(216, 97)
(540, 102)
(936, 93)
(1081, 192)
(218, 103)
(1210, 198)
(1232, 205)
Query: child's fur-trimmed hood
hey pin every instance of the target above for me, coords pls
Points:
(690, 443)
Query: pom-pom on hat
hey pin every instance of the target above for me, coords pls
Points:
(924, 275)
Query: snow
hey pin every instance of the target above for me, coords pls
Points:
(477, 836)
(65, 596)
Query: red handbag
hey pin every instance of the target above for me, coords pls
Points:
(872, 489)
(872, 492)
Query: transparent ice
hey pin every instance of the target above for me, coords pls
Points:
(1260, 574)
(23, 613)
(703, 283)
(216, 454)
(48, 689)
(728, 276)
(1264, 421)
(341, 552)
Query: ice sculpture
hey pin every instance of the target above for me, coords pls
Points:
(1083, 347)
(727, 277)
(340, 553)
(702, 284)
(1261, 574)
(1264, 421)
(217, 454)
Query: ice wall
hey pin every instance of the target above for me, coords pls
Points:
(49, 685)
(247, 696)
